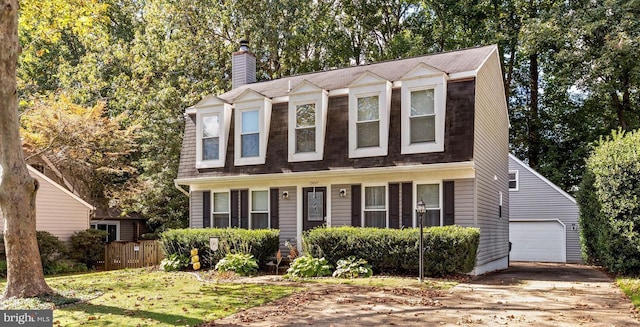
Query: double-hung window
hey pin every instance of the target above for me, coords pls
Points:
(375, 206)
(423, 108)
(307, 122)
(220, 214)
(369, 116)
(213, 121)
(252, 119)
(305, 128)
(259, 209)
(514, 183)
(430, 195)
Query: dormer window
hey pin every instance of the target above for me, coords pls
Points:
(307, 122)
(253, 114)
(369, 112)
(424, 92)
(213, 119)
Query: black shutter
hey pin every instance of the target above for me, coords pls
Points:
(206, 209)
(235, 214)
(356, 206)
(407, 204)
(244, 209)
(394, 205)
(449, 204)
(274, 208)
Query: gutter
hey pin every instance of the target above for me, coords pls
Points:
(175, 183)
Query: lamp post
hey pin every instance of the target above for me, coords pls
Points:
(420, 210)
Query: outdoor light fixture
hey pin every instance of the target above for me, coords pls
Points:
(420, 210)
(343, 192)
(285, 195)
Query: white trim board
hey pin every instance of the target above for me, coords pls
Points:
(554, 186)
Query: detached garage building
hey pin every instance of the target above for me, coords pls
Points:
(543, 219)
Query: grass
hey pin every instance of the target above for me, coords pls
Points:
(631, 287)
(383, 281)
(148, 298)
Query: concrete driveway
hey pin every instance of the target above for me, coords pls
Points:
(526, 294)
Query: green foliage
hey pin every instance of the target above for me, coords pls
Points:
(261, 243)
(307, 266)
(3, 269)
(352, 267)
(52, 250)
(241, 263)
(448, 250)
(609, 206)
(174, 262)
(87, 246)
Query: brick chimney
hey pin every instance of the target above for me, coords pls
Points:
(243, 66)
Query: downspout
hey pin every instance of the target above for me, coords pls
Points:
(175, 183)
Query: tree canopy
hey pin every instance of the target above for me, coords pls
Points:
(570, 68)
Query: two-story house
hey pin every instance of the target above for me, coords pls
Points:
(355, 146)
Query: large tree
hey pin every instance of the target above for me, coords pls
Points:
(25, 277)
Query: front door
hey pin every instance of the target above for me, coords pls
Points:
(314, 207)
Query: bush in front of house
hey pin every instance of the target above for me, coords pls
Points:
(87, 246)
(261, 243)
(307, 266)
(52, 250)
(352, 267)
(243, 264)
(448, 249)
(609, 206)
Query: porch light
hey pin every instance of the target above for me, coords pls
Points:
(420, 210)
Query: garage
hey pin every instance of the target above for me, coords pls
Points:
(537, 241)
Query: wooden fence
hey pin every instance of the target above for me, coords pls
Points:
(120, 255)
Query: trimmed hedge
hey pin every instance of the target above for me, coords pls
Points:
(261, 243)
(448, 250)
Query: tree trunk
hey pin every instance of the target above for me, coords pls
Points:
(17, 189)
(534, 119)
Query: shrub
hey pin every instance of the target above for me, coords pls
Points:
(353, 267)
(174, 262)
(51, 251)
(87, 246)
(609, 206)
(261, 243)
(241, 263)
(448, 250)
(308, 266)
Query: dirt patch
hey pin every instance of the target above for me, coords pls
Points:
(523, 295)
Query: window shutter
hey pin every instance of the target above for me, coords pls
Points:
(407, 205)
(274, 200)
(235, 214)
(449, 204)
(356, 206)
(394, 205)
(244, 209)
(206, 209)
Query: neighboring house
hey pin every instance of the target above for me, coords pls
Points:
(355, 146)
(58, 210)
(128, 227)
(543, 218)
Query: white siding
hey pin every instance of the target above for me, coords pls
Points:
(340, 206)
(463, 202)
(491, 149)
(195, 214)
(288, 218)
(537, 198)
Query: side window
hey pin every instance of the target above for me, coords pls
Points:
(514, 184)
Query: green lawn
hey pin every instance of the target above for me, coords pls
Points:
(142, 298)
(631, 287)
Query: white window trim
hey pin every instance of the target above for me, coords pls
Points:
(251, 211)
(224, 112)
(116, 223)
(416, 199)
(366, 86)
(249, 101)
(439, 85)
(517, 181)
(363, 201)
(305, 94)
(213, 206)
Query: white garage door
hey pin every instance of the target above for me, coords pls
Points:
(537, 241)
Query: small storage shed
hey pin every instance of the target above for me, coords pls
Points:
(543, 219)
